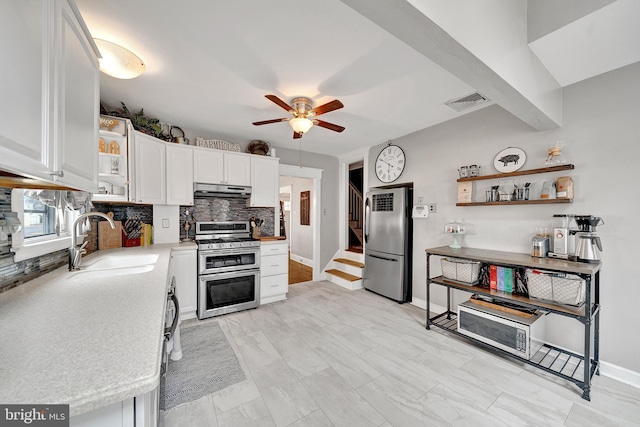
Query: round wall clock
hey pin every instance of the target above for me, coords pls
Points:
(390, 163)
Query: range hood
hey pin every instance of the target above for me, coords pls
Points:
(221, 190)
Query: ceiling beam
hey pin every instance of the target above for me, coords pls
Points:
(500, 66)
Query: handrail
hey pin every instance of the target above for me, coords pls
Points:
(355, 205)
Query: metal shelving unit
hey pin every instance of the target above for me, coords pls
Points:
(562, 363)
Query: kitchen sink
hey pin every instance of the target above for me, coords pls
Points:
(121, 262)
(110, 272)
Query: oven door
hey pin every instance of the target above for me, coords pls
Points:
(223, 260)
(228, 292)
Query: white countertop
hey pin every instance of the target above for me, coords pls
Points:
(72, 337)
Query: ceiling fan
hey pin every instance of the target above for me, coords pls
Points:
(304, 116)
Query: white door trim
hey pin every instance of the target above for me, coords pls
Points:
(316, 176)
(343, 205)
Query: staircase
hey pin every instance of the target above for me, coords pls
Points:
(347, 270)
(355, 212)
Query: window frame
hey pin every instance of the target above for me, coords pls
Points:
(37, 246)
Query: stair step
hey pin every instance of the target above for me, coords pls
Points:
(350, 262)
(343, 275)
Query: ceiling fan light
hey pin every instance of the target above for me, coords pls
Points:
(300, 124)
(118, 61)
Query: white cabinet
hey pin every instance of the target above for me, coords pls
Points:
(150, 169)
(208, 166)
(113, 156)
(179, 174)
(184, 265)
(237, 169)
(274, 271)
(219, 167)
(265, 177)
(51, 118)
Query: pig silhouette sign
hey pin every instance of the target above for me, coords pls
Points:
(509, 160)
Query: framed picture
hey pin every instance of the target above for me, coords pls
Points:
(305, 207)
(509, 160)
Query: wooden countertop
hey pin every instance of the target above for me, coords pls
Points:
(270, 238)
(517, 259)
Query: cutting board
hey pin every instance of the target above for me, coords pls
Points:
(109, 238)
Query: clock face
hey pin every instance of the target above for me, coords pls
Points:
(390, 163)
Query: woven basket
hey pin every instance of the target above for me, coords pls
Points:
(460, 270)
(559, 288)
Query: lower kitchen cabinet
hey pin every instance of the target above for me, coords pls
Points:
(274, 271)
(140, 411)
(184, 265)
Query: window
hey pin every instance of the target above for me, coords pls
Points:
(39, 219)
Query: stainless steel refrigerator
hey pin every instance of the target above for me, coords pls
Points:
(388, 243)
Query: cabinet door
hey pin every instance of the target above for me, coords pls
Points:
(179, 175)
(25, 33)
(265, 178)
(150, 169)
(76, 103)
(208, 166)
(184, 266)
(237, 169)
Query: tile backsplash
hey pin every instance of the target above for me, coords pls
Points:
(13, 273)
(225, 209)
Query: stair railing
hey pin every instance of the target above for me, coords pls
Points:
(355, 206)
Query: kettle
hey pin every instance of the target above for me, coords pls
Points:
(588, 247)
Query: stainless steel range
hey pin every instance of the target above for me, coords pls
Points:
(228, 268)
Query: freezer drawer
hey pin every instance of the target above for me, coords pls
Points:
(384, 274)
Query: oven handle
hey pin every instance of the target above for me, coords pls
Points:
(230, 274)
(233, 251)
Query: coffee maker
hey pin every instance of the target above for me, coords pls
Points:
(588, 244)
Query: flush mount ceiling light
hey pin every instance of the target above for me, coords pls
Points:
(118, 61)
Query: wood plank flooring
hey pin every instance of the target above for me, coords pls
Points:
(327, 356)
(299, 272)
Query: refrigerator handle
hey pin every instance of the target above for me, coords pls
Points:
(367, 208)
(383, 258)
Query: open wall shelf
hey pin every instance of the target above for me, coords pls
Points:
(519, 173)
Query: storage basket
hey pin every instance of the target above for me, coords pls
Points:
(460, 270)
(556, 287)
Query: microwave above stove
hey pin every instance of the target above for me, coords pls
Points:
(518, 335)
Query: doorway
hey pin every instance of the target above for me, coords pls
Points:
(355, 207)
(300, 204)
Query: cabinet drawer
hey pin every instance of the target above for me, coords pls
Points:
(272, 265)
(274, 249)
(274, 285)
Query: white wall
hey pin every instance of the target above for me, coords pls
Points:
(601, 126)
(300, 236)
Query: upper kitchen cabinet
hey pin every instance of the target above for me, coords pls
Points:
(179, 174)
(220, 167)
(265, 176)
(51, 93)
(149, 173)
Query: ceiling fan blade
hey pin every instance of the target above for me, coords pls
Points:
(329, 106)
(297, 135)
(266, 122)
(279, 102)
(330, 126)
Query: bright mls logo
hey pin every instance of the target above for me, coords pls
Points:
(34, 415)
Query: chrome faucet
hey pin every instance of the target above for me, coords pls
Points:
(75, 252)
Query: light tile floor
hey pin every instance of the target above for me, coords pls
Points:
(331, 357)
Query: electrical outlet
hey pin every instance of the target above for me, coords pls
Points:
(421, 200)
(433, 208)
(165, 223)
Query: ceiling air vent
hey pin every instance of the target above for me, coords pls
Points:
(468, 101)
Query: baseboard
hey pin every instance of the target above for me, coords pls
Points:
(418, 302)
(302, 260)
(619, 373)
(608, 370)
